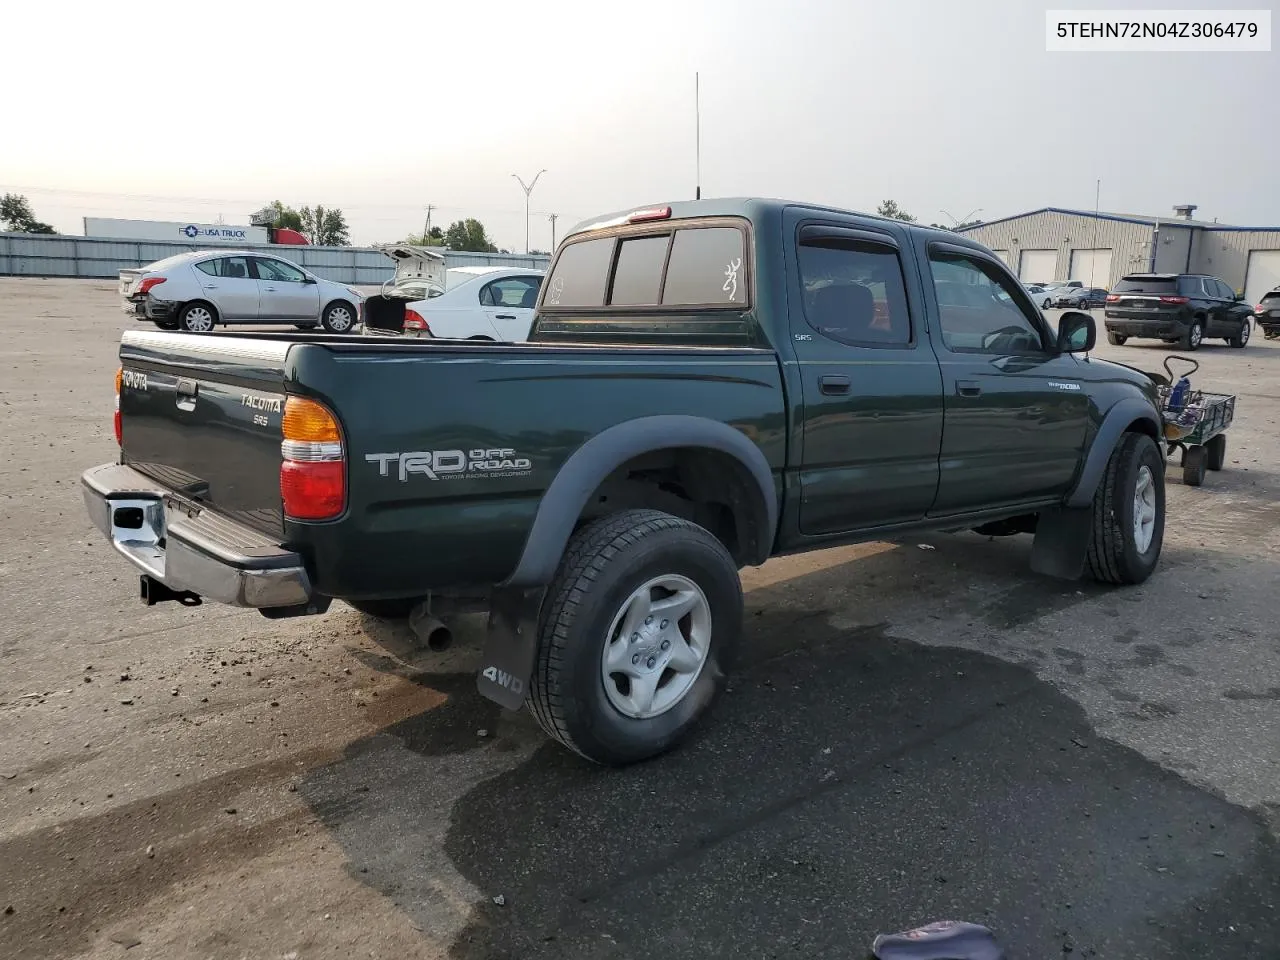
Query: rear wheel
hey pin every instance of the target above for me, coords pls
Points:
(1116, 339)
(1194, 463)
(197, 318)
(1128, 513)
(338, 317)
(1217, 452)
(1194, 336)
(640, 625)
(1241, 339)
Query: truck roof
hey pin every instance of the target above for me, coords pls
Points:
(753, 208)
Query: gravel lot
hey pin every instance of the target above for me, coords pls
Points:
(913, 734)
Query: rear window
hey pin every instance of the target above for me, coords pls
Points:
(1156, 285)
(692, 266)
(1272, 295)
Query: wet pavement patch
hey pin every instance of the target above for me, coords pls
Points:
(849, 783)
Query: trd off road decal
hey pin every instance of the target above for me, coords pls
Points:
(451, 464)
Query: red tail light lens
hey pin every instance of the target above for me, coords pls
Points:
(413, 320)
(1113, 298)
(313, 467)
(1174, 299)
(116, 423)
(1259, 308)
(148, 283)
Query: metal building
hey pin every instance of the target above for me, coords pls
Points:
(1057, 244)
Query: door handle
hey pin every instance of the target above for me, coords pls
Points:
(833, 386)
(270, 289)
(968, 388)
(211, 286)
(504, 316)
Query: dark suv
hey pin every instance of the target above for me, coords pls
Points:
(1180, 308)
(1268, 313)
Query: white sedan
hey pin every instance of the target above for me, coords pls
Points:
(195, 291)
(478, 303)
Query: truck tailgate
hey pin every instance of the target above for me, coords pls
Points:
(202, 417)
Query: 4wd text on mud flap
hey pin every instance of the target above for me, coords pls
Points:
(437, 464)
(503, 679)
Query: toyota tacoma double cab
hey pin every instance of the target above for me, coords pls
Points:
(707, 385)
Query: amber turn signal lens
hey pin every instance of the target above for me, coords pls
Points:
(119, 379)
(305, 419)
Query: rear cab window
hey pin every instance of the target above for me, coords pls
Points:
(1156, 286)
(668, 265)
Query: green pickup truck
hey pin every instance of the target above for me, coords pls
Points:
(707, 385)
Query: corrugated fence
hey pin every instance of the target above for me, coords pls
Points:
(40, 255)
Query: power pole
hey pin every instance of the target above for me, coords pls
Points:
(426, 228)
(552, 218)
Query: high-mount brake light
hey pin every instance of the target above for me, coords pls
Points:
(313, 465)
(651, 213)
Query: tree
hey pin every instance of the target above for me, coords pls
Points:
(287, 218)
(891, 210)
(468, 235)
(435, 238)
(324, 228)
(16, 213)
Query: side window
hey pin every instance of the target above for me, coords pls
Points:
(519, 293)
(580, 274)
(637, 279)
(1224, 291)
(278, 270)
(854, 292)
(978, 309)
(707, 266)
(236, 268)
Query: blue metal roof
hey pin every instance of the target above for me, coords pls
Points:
(1128, 218)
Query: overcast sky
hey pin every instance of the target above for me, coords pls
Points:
(183, 111)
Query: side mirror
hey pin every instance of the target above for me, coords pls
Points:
(1238, 297)
(1077, 333)
(306, 279)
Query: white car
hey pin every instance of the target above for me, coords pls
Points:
(196, 291)
(477, 303)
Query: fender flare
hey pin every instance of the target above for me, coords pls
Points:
(592, 462)
(1119, 418)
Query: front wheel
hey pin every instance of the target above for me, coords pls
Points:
(640, 626)
(338, 317)
(1192, 338)
(1116, 339)
(1128, 513)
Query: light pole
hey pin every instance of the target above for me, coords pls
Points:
(528, 189)
(956, 222)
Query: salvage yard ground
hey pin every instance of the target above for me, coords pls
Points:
(912, 734)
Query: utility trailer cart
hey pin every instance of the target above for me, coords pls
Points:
(1195, 422)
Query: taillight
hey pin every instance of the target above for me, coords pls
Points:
(148, 283)
(1174, 299)
(1259, 308)
(313, 467)
(1113, 298)
(115, 420)
(413, 320)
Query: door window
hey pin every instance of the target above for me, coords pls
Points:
(1224, 292)
(278, 270)
(228, 267)
(854, 292)
(979, 309)
(519, 293)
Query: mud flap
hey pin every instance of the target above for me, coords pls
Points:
(511, 645)
(1062, 542)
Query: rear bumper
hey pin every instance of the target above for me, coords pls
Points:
(1143, 327)
(150, 308)
(199, 551)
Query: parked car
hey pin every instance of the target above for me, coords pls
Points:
(707, 384)
(477, 303)
(197, 291)
(1181, 308)
(1051, 289)
(1080, 298)
(1036, 292)
(1267, 313)
(420, 271)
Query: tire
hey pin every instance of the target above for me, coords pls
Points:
(1116, 339)
(167, 324)
(1047, 303)
(1216, 452)
(1241, 339)
(197, 317)
(602, 580)
(1194, 463)
(1115, 555)
(1194, 336)
(339, 317)
(397, 608)
(304, 326)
